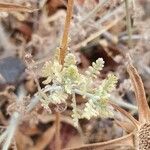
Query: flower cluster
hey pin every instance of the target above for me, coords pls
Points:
(62, 81)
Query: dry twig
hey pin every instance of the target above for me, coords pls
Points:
(10, 7)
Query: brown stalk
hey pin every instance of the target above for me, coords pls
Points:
(57, 131)
(10, 7)
(64, 42)
(125, 140)
(126, 126)
(62, 54)
(143, 108)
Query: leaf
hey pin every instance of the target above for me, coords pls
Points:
(70, 60)
(106, 86)
(75, 114)
(47, 72)
(96, 67)
(10, 7)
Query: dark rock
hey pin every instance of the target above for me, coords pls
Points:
(11, 69)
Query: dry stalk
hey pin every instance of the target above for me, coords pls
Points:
(144, 112)
(128, 20)
(64, 42)
(97, 34)
(57, 132)
(11, 7)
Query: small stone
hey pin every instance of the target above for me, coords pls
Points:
(11, 69)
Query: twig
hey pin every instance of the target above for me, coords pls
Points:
(95, 35)
(128, 20)
(57, 131)
(124, 104)
(110, 14)
(125, 140)
(93, 12)
(11, 7)
(64, 42)
(125, 113)
(14, 122)
(11, 130)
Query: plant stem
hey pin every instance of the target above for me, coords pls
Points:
(128, 20)
(14, 122)
(64, 42)
(125, 140)
(96, 34)
(62, 54)
(120, 102)
(93, 12)
(57, 131)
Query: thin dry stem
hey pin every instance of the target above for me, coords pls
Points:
(10, 7)
(64, 43)
(57, 132)
(97, 34)
(126, 126)
(128, 20)
(126, 140)
(143, 108)
(125, 113)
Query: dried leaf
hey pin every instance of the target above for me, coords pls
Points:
(125, 113)
(143, 108)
